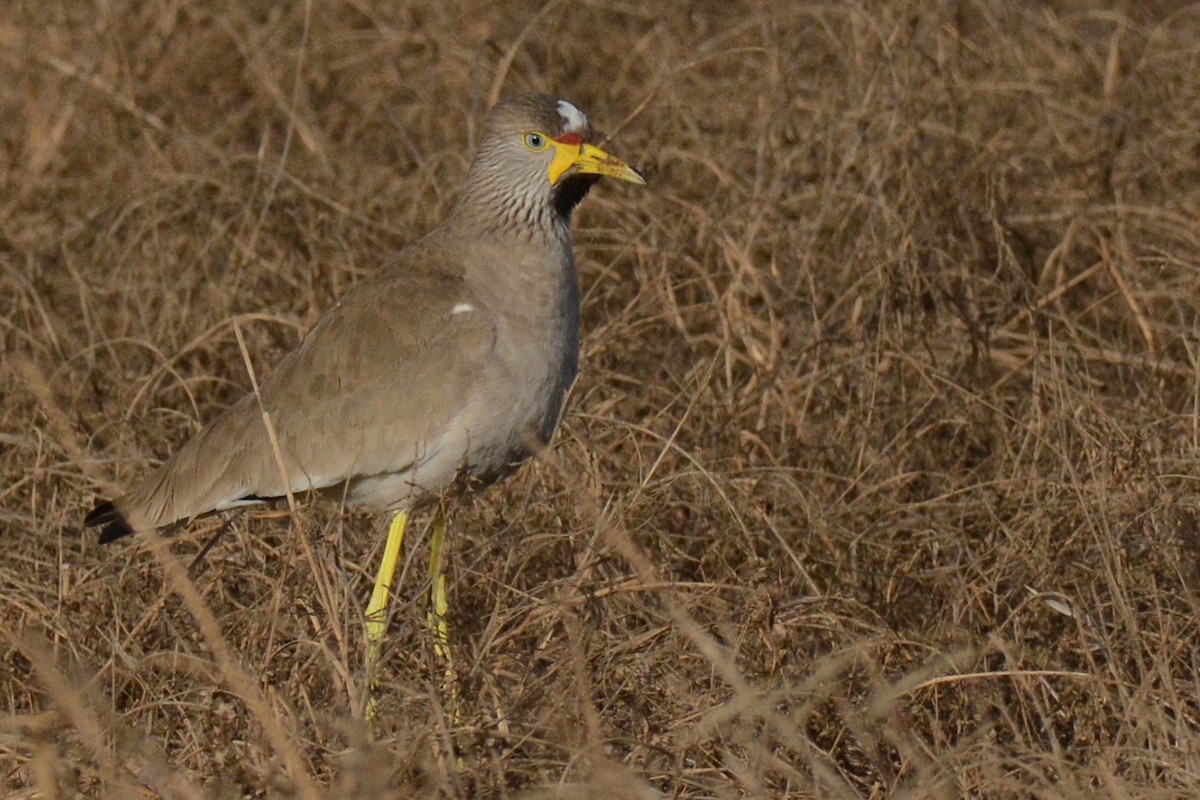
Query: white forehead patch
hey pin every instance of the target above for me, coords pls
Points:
(573, 118)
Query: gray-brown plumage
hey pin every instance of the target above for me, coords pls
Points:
(449, 363)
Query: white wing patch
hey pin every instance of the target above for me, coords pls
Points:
(232, 504)
(573, 119)
(302, 484)
(461, 308)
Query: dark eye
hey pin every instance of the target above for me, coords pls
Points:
(535, 141)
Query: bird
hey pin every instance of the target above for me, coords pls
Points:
(444, 369)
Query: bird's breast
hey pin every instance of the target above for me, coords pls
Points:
(519, 402)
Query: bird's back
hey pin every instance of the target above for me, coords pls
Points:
(432, 370)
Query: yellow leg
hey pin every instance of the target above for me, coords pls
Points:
(376, 621)
(438, 606)
(376, 618)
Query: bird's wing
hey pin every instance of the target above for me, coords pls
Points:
(370, 390)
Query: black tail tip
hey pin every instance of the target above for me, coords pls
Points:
(115, 526)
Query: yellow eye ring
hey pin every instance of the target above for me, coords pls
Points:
(535, 141)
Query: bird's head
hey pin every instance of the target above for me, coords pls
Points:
(536, 161)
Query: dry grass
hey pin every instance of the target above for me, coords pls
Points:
(878, 481)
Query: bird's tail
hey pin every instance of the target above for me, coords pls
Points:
(114, 522)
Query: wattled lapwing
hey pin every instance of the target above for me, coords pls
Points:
(447, 367)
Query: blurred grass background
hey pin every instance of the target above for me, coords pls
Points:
(878, 480)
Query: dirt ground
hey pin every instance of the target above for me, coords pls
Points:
(879, 480)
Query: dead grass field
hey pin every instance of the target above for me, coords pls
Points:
(879, 480)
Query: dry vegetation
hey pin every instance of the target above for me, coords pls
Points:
(878, 481)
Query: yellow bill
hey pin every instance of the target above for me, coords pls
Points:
(571, 151)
